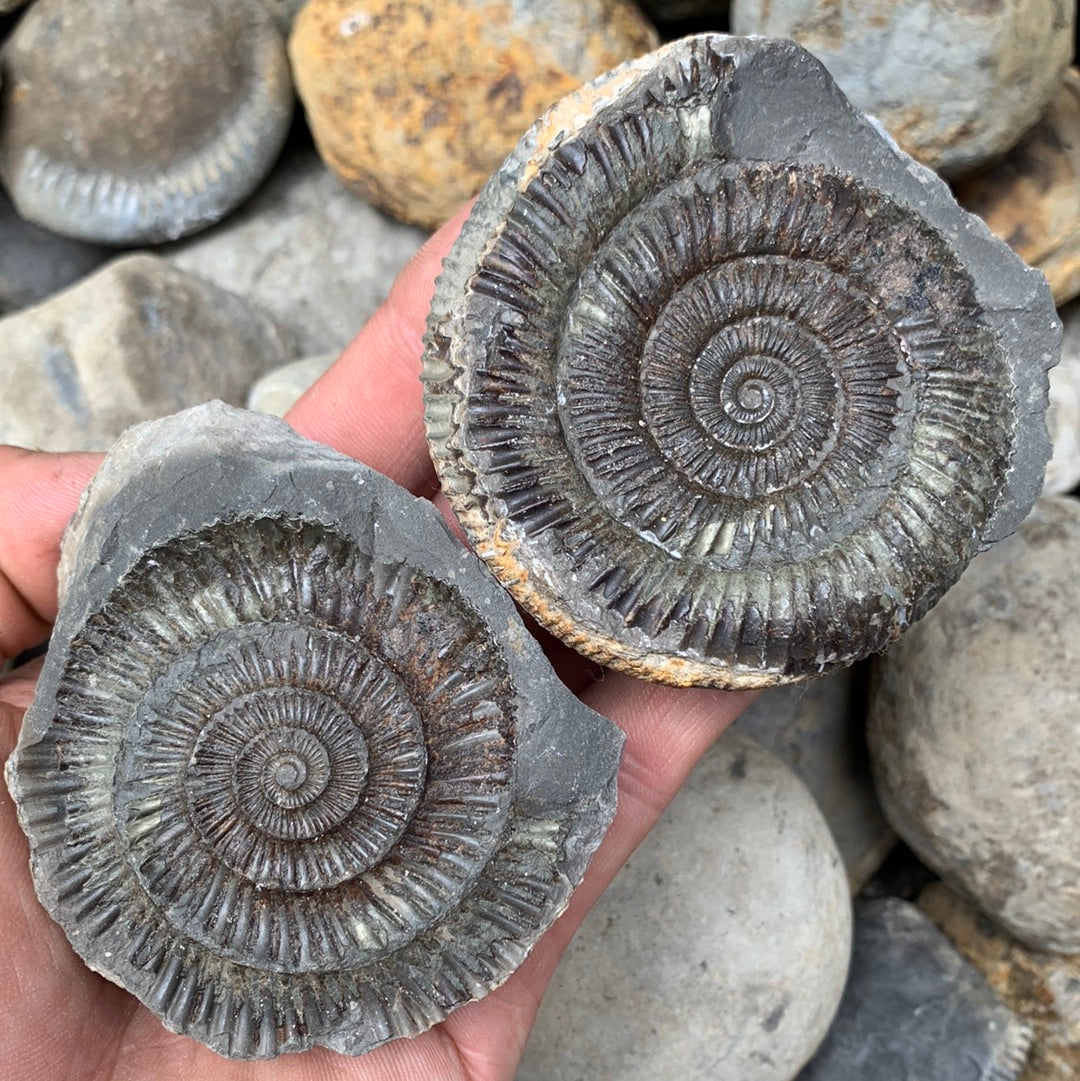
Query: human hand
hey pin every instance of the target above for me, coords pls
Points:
(62, 1021)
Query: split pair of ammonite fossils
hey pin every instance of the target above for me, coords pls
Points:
(724, 389)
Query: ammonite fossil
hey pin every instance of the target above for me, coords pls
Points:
(131, 123)
(295, 773)
(724, 387)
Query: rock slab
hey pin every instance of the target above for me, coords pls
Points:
(319, 257)
(914, 1009)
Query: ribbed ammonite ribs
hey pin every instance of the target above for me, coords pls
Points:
(724, 387)
(295, 773)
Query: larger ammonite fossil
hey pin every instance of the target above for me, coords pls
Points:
(295, 773)
(724, 387)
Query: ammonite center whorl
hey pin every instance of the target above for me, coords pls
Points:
(723, 387)
(295, 773)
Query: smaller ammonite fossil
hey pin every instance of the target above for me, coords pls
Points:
(295, 773)
(724, 387)
(130, 123)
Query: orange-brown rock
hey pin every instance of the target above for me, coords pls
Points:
(1044, 988)
(1031, 198)
(414, 103)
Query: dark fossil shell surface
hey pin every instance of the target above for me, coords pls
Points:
(295, 773)
(723, 386)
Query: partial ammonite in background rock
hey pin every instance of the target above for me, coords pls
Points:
(1043, 988)
(721, 948)
(138, 339)
(973, 731)
(136, 123)
(914, 1009)
(955, 84)
(413, 104)
(1031, 198)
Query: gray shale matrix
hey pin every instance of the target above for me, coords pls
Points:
(295, 773)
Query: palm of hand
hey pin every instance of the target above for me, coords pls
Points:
(65, 1022)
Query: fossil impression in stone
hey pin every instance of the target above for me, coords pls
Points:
(724, 387)
(131, 123)
(295, 774)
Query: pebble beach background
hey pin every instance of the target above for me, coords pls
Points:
(207, 199)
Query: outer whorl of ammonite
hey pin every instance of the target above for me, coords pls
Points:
(724, 387)
(129, 123)
(295, 773)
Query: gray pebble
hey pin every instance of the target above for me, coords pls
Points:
(277, 391)
(138, 339)
(721, 948)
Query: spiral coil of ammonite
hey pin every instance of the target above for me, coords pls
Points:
(273, 779)
(717, 409)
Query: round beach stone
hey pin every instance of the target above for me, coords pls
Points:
(414, 103)
(973, 731)
(136, 123)
(277, 391)
(721, 948)
(1043, 988)
(1031, 198)
(955, 84)
(138, 339)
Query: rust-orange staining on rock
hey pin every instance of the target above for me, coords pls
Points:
(414, 104)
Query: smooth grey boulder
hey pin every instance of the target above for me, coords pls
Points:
(138, 339)
(818, 729)
(277, 391)
(35, 263)
(915, 1010)
(956, 85)
(1063, 414)
(318, 257)
(721, 948)
(973, 732)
